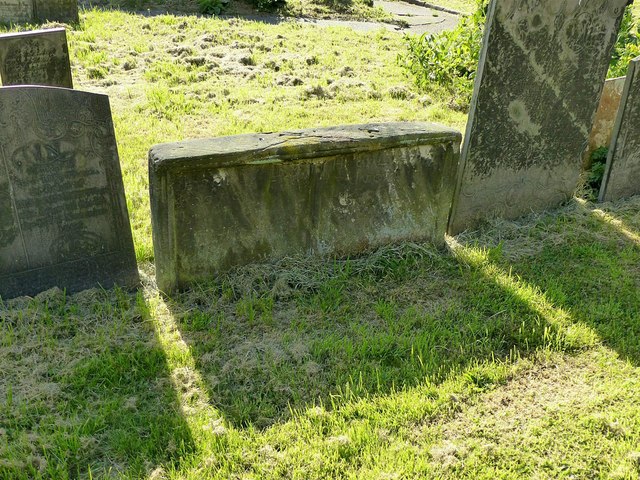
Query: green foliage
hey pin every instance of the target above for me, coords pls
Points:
(596, 173)
(449, 58)
(268, 5)
(210, 7)
(627, 46)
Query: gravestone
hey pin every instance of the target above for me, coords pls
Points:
(223, 202)
(35, 58)
(605, 118)
(542, 67)
(16, 11)
(63, 215)
(55, 11)
(622, 173)
(38, 11)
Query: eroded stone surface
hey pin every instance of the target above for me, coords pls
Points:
(35, 58)
(38, 11)
(224, 202)
(541, 72)
(622, 174)
(605, 119)
(63, 215)
(56, 11)
(16, 11)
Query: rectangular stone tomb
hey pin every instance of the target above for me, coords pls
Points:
(542, 67)
(63, 215)
(35, 58)
(38, 11)
(223, 202)
(622, 173)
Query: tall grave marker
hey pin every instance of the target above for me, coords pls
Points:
(38, 11)
(541, 71)
(35, 58)
(63, 215)
(622, 174)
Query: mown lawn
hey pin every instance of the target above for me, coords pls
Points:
(514, 353)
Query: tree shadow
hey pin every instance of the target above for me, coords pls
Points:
(86, 389)
(269, 340)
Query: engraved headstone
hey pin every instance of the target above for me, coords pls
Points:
(38, 11)
(622, 173)
(16, 11)
(542, 67)
(55, 11)
(35, 58)
(63, 215)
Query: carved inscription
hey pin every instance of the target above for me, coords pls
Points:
(61, 195)
(35, 58)
(16, 11)
(622, 174)
(541, 72)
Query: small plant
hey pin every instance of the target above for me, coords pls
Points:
(596, 173)
(211, 7)
(627, 46)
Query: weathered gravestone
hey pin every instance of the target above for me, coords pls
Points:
(622, 173)
(542, 67)
(63, 215)
(230, 201)
(35, 58)
(38, 11)
(605, 118)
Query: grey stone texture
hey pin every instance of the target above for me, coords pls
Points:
(39, 57)
(38, 11)
(622, 173)
(63, 215)
(223, 202)
(542, 67)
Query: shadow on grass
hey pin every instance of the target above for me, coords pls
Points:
(85, 389)
(269, 340)
(593, 273)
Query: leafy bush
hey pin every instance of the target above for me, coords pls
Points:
(627, 46)
(210, 7)
(449, 58)
(596, 174)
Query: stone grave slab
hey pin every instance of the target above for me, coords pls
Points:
(16, 11)
(542, 67)
(605, 118)
(622, 173)
(224, 202)
(39, 57)
(38, 11)
(63, 215)
(55, 11)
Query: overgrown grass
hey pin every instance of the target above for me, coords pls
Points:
(493, 359)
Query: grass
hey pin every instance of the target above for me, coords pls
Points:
(515, 353)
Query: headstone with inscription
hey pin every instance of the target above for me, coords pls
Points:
(542, 67)
(55, 11)
(63, 215)
(38, 11)
(622, 173)
(35, 58)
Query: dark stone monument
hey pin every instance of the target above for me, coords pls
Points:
(38, 11)
(16, 11)
(229, 201)
(63, 215)
(622, 174)
(35, 58)
(55, 11)
(542, 67)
